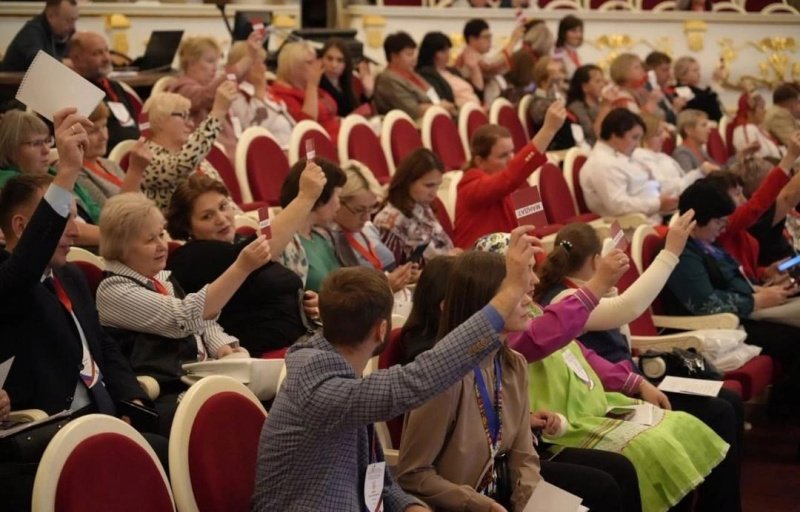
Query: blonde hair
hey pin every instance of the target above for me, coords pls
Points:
(16, 128)
(123, 217)
(193, 48)
(688, 119)
(160, 106)
(652, 124)
(620, 67)
(291, 55)
(539, 39)
(681, 66)
(541, 71)
(240, 50)
(359, 177)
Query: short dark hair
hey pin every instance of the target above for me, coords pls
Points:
(50, 4)
(352, 300)
(473, 28)
(567, 23)
(181, 204)
(581, 76)
(17, 193)
(414, 166)
(655, 59)
(618, 122)
(431, 44)
(396, 43)
(291, 185)
(785, 92)
(707, 200)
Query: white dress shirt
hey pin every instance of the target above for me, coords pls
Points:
(666, 170)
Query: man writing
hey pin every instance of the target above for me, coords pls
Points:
(49, 31)
(318, 448)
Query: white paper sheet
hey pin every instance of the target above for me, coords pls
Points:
(690, 386)
(5, 367)
(48, 86)
(547, 497)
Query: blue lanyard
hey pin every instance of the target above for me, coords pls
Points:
(491, 411)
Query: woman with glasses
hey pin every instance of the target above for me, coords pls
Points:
(25, 144)
(102, 177)
(178, 148)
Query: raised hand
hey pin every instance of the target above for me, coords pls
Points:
(609, 269)
(226, 93)
(680, 232)
(312, 181)
(255, 255)
(71, 139)
(139, 156)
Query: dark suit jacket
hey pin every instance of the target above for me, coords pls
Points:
(35, 35)
(37, 330)
(116, 132)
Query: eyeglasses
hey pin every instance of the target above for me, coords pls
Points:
(41, 143)
(182, 115)
(372, 210)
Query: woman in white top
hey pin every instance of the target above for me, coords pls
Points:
(749, 133)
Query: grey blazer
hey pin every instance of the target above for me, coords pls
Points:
(392, 91)
(315, 444)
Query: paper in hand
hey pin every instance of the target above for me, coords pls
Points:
(528, 207)
(618, 237)
(547, 497)
(5, 367)
(311, 153)
(652, 79)
(264, 222)
(49, 86)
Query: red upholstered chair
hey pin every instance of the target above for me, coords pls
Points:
(172, 246)
(220, 161)
(399, 137)
(261, 166)
(98, 463)
(90, 264)
(502, 112)
(556, 197)
(523, 107)
(668, 146)
(439, 133)
(573, 162)
(470, 117)
(441, 215)
(388, 358)
(716, 147)
(358, 141)
(213, 446)
(729, 127)
(305, 130)
(119, 153)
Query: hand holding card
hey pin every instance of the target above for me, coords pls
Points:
(618, 237)
(528, 207)
(264, 222)
(311, 153)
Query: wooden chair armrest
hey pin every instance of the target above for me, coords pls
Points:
(149, 385)
(666, 342)
(391, 456)
(628, 221)
(691, 323)
(28, 415)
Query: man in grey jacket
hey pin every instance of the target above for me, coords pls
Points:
(318, 447)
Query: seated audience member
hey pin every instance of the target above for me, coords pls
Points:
(520, 80)
(551, 86)
(693, 5)
(91, 59)
(446, 452)
(25, 144)
(266, 313)
(63, 360)
(572, 262)
(49, 31)
(783, 117)
(568, 40)
(694, 128)
(483, 203)
(306, 432)
(433, 65)
(627, 71)
(707, 280)
(157, 326)
(199, 63)
(350, 85)
(101, 177)
(749, 132)
(669, 173)
(254, 104)
(537, 39)
(399, 86)
(407, 220)
(298, 85)
(687, 73)
(615, 184)
(482, 71)
(311, 254)
(590, 100)
(671, 104)
(179, 148)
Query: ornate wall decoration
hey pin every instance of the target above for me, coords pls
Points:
(615, 44)
(374, 27)
(777, 63)
(117, 26)
(695, 31)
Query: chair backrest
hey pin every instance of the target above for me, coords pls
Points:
(399, 137)
(311, 130)
(716, 147)
(358, 141)
(523, 107)
(219, 160)
(556, 197)
(438, 134)
(643, 325)
(645, 246)
(213, 446)
(261, 166)
(444, 219)
(125, 474)
(119, 153)
(573, 162)
(727, 128)
(502, 112)
(245, 225)
(134, 99)
(448, 192)
(470, 117)
(388, 358)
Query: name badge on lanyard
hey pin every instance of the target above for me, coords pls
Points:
(373, 480)
(576, 367)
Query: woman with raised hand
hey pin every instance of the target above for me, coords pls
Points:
(350, 85)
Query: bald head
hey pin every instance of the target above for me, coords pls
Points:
(90, 56)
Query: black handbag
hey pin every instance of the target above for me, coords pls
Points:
(678, 363)
(28, 445)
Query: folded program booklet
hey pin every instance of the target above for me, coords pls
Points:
(49, 86)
